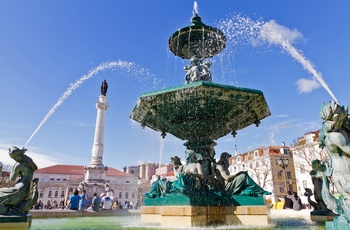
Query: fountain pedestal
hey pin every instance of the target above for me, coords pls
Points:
(195, 216)
(15, 222)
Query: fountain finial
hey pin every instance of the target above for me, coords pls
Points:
(197, 40)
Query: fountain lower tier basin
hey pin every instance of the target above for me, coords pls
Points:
(201, 110)
(15, 222)
(199, 216)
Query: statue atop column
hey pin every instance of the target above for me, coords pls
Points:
(104, 88)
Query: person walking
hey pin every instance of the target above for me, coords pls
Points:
(82, 202)
(73, 202)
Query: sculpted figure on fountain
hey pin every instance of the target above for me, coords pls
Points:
(17, 200)
(190, 178)
(237, 184)
(335, 137)
(199, 70)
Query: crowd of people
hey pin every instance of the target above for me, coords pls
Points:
(81, 202)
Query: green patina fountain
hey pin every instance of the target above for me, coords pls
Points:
(200, 112)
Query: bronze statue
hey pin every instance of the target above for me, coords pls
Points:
(19, 199)
(335, 137)
(104, 88)
(237, 184)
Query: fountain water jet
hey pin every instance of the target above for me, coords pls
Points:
(128, 66)
(239, 29)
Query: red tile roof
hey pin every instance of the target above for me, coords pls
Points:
(76, 170)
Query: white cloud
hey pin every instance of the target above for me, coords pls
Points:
(307, 85)
(276, 34)
(281, 116)
(41, 160)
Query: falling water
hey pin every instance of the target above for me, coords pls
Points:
(130, 67)
(161, 149)
(241, 30)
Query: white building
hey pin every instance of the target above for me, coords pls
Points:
(59, 181)
(304, 151)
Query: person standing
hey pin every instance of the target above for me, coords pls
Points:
(106, 202)
(297, 205)
(82, 202)
(288, 202)
(73, 202)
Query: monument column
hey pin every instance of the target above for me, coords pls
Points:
(97, 148)
(96, 172)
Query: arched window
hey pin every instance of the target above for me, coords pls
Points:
(120, 195)
(126, 195)
(58, 179)
(64, 180)
(50, 193)
(52, 179)
(62, 194)
(127, 182)
(56, 194)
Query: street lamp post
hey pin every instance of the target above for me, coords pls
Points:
(283, 163)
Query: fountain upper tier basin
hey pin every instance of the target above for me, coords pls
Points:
(197, 40)
(200, 110)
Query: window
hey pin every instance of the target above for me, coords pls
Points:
(289, 175)
(64, 180)
(62, 194)
(256, 153)
(120, 195)
(281, 189)
(50, 194)
(127, 182)
(133, 195)
(52, 179)
(41, 194)
(56, 194)
(305, 183)
(279, 174)
(238, 159)
(266, 151)
(126, 195)
(58, 179)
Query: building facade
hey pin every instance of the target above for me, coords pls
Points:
(59, 181)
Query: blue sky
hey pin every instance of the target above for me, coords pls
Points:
(46, 46)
